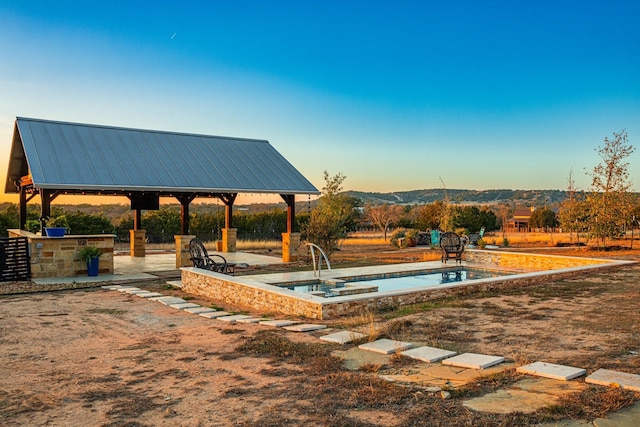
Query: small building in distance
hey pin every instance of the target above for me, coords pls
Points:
(520, 220)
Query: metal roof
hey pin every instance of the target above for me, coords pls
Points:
(82, 157)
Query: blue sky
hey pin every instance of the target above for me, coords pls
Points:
(395, 95)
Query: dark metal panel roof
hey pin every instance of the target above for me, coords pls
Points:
(74, 156)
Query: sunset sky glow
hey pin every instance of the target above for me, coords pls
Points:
(395, 95)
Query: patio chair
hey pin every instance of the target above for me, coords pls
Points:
(452, 247)
(201, 259)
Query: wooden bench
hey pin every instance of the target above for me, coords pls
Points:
(452, 247)
(201, 259)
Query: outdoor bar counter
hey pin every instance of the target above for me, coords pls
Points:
(58, 256)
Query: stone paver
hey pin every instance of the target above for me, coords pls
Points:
(149, 294)
(168, 300)
(134, 291)
(343, 337)
(527, 396)
(278, 323)
(137, 291)
(386, 346)
(199, 309)
(473, 360)
(127, 289)
(250, 320)
(551, 370)
(214, 314)
(233, 318)
(439, 375)
(111, 287)
(304, 327)
(428, 354)
(183, 305)
(607, 377)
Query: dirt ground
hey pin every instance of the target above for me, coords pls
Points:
(97, 357)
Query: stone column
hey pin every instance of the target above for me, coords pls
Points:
(183, 257)
(229, 239)
(137, 240)
(290, 246)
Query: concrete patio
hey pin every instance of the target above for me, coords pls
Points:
(155, 266)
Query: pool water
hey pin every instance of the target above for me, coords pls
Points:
(396, 283)
(427, 280)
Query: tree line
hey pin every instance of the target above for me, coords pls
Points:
(603, 213)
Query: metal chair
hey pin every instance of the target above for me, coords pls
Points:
(201, 259)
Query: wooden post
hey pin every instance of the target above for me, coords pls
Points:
(290, 199)
(23, 209)
(228, 199)
(185, 200)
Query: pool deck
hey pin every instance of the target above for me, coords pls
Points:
(155, 265)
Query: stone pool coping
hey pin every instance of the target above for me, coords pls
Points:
(259, 291)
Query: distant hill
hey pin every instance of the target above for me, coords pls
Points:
(484, 197)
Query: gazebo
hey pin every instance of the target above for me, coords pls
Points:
(52, 158)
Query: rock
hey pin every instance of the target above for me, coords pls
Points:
(445, 395)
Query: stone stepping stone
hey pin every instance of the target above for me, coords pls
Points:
(148, 294)
(473, 361)
(233, 318)
(135, 291)
(551, 370)
(111, 287)
(278, 323)
(428, 354)
(343, 337)
(386, 346)
(199, 309)
(304, 327)
(250, 320)
(607, 377)
(183, 305)
(168, 300)
(214, 314)
(128, 289)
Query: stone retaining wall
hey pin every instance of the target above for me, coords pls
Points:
(243, 291)
(526, 261)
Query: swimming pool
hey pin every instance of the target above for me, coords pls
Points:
(271, 292)
(394, 282)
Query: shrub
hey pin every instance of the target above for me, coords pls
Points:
(89, 252)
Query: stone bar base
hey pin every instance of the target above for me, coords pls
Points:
(229, 239)
(183, 257)
(137, 240)
(59, 256)
(290, 246)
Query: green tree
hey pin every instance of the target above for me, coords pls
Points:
(473, 218)
(83, 223)
(543, 218)
(161, 225)
(428, 217)
(329, 220)
(609, 201)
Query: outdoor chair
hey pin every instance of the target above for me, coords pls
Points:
(201, 259)
(452, 247)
